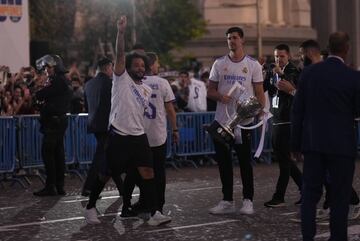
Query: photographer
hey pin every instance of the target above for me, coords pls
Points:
(281, 83)
(54, 99)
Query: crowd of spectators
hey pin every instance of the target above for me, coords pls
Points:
(17, 90)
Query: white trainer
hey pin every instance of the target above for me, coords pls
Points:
(247, 207)
(223, 207)
(354, 212)
(158, 218)
(91, 216)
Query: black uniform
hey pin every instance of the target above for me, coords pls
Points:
(55, 98)
(280, 108)
(98, 104)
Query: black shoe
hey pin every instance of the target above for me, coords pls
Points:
(274, 203)
(127, 212)
(47, 191)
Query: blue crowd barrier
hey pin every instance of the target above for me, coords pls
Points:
(7, 144)
(30, 140)
(80, 146)
(84, 142)
(194, 140)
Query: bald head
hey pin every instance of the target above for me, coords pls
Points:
(339, 43)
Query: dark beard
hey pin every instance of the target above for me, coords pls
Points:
(307, 61)
(136, 76)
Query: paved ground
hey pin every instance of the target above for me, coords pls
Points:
(190, 193)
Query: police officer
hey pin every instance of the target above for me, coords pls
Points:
(54, 99)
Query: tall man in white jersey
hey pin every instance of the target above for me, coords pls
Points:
(160, 107)
(128, 146)
(234, 67)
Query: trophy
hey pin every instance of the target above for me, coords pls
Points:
(245, 109)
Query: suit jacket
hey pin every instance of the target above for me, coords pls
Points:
(98, 102)
(324, 108)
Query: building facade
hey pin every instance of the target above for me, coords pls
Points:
(281, 21)
(338, 15)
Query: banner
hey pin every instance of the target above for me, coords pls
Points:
(14, 34)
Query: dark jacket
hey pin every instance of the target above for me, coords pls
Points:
(282, 113)
(56, 96)
(98, 102)
(325, 105)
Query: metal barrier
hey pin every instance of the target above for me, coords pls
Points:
(84, 142)
(80, 146)
(194, 140)
(7, 144)
(30, 140)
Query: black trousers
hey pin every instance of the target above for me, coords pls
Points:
(53, 154)
(224, 159)
(133, 178)
(99, 164)
(287, 167)
(341, 171)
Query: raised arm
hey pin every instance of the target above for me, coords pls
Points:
(120, 46)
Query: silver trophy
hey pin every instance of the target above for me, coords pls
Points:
(245, 109)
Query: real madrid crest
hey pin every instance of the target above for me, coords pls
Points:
(245, 70)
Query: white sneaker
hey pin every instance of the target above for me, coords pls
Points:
(91, 216)
(223, 207)
(247, 207)
(158, 218)
(354, 212)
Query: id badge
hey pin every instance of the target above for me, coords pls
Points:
(275, 102)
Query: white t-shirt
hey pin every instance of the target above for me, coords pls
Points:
(129, 105)
(155, 121)
(197, 96)
(226, 72)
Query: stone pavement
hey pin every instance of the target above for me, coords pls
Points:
(190, 193)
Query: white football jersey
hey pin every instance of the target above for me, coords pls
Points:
(226, 72)
(129, 105)
(197, 96)
(155, 120)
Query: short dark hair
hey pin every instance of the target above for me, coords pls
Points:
(338, 42)
(135, 55)
(152, 57)
(102, 62)
(310, 44)
(283, 47)
(235, 29)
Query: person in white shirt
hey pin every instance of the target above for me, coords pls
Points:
(160, 107)
(231, 68)
(196, 101)
(128, 147)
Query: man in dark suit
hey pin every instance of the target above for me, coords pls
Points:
(98, 103)
(325, 105)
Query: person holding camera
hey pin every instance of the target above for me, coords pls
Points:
(281, 84)
(54, 102)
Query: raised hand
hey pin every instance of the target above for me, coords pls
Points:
(121, 24)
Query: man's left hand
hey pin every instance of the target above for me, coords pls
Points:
(285, 86)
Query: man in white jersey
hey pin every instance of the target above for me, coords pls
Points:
(234, 67)
(128, 147)
(160, 107)
(196, 100)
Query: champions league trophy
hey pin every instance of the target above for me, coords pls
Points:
(245, 109)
